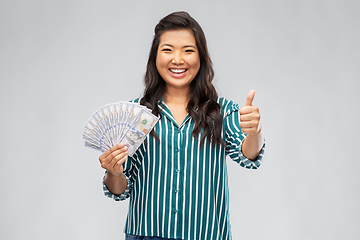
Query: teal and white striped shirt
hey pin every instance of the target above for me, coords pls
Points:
(179, 189)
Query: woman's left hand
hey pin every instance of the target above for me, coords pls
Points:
(250, 116)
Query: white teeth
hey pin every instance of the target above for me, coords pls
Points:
(177, 71)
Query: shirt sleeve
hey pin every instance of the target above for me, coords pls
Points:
(234, 138)
(131, 167)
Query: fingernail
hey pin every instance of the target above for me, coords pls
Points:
(121, 144)
(125, 148)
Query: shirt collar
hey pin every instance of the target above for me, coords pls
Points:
(166, 112)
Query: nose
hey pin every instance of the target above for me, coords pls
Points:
(177, 59)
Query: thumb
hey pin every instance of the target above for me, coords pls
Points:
(250, 98)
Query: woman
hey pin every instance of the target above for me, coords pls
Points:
(177, 179)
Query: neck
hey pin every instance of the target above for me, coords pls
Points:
(176, 96)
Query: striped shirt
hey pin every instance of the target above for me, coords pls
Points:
(178, 188)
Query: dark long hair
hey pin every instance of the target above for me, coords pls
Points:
(202, 106)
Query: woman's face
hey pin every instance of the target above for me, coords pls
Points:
(177, 59)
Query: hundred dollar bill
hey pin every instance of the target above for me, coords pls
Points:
(132, 115)
(140, 128)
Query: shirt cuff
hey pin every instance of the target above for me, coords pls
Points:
(252, 164)
(120, 197)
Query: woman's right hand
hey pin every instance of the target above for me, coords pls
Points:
(112, 160)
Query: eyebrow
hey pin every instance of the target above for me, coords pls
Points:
(169, 45)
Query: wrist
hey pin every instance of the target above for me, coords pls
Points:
(113, 175)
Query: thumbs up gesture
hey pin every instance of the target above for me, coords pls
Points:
(250, 116)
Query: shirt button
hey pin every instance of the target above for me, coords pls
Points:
(177, 170)
(175, 211)
(177, 149)
(176, 190)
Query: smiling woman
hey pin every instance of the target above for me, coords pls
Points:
(177, 180)
(178, 60)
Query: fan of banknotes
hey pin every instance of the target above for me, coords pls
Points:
(125, 122)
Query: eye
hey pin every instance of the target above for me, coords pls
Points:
(189, 50)
(166, 50)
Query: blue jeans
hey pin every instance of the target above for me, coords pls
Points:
(133, 237)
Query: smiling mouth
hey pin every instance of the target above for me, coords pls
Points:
(178, 70)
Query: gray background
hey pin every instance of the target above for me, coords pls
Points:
(62, 60)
